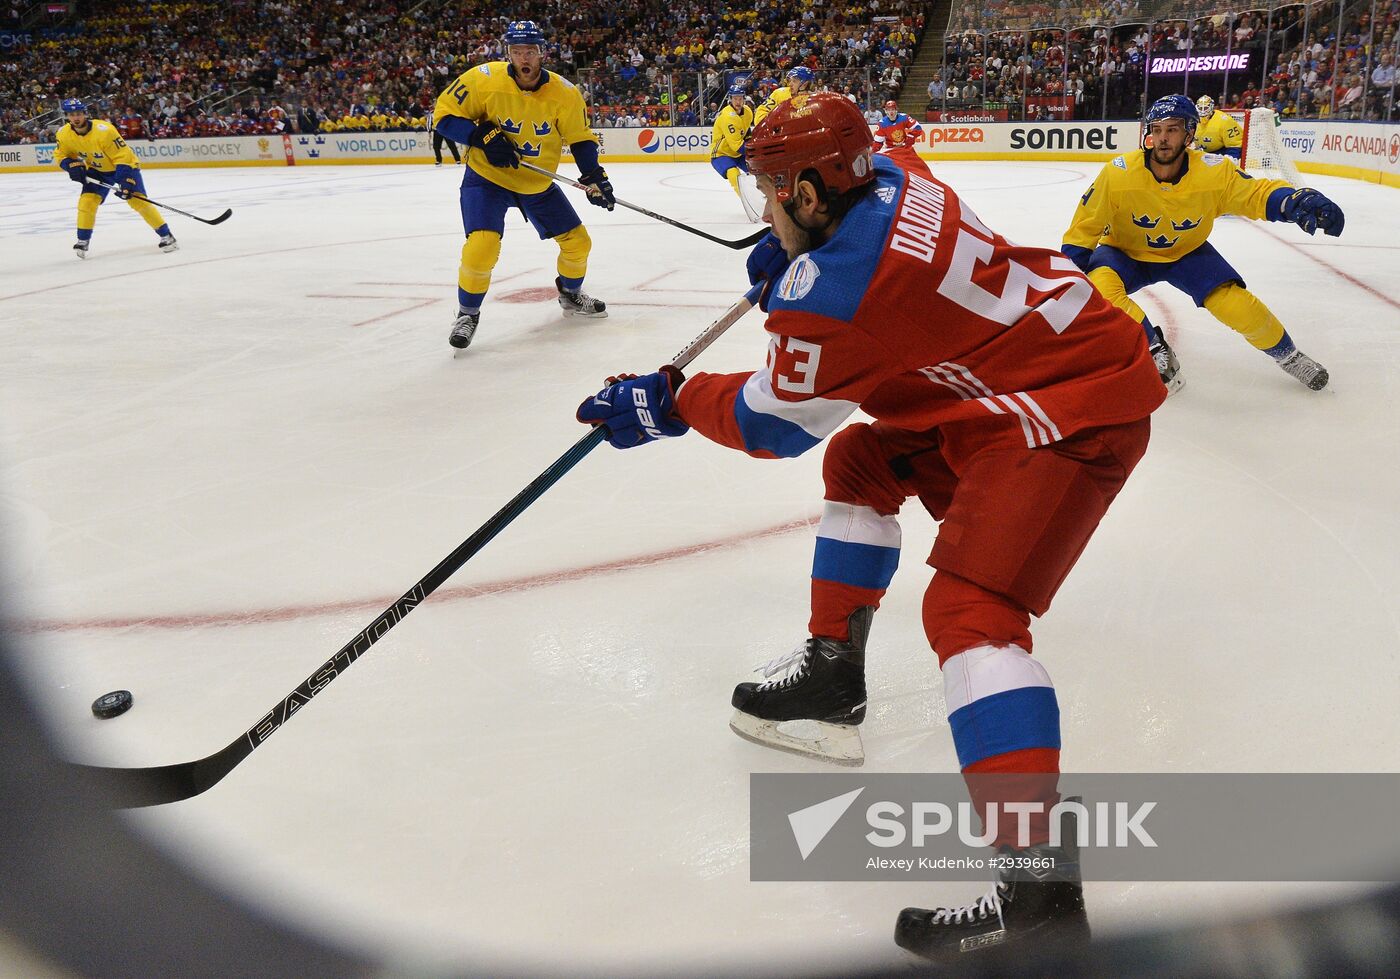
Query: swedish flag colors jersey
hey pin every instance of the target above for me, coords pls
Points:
(101, 148)
(538, 122)
(777, 98)
(1129, 209)
(730, 129)
(1219, 133)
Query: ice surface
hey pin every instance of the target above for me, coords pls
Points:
(218, 465)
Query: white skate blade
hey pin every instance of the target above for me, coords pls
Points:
(839, 744)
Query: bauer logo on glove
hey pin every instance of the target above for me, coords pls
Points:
(636, 410)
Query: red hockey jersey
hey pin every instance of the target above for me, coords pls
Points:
(902, 130)
(921, 316)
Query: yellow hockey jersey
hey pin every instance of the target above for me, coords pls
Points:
(777, 98)
(730, 129)
(1219, 132)
(101, 148)
(539, 123)
(1129, 209)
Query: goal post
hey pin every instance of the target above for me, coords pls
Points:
(1263, 152)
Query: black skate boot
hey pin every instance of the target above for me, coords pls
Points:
(168, 244)
(1168, 368)
(464, 329)
(815, 708)
(1038, 898)
(575, 302)
(80, 248)
(1305, 369)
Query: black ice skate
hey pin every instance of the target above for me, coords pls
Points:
(168, 244)
(1040, 901)
(80, 248)
(575, 302)
(464, 329)
(1168, 368)
(816, 707)
(1305, 369)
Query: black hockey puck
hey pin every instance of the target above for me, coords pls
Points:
(112, 704)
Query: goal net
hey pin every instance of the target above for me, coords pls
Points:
(1263, 151)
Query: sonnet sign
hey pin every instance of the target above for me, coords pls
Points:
(1202, 62)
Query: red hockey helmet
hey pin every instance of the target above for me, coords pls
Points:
(824, 132)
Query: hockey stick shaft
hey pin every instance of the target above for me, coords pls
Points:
(228, 212)
(748, 242)
(134, 787)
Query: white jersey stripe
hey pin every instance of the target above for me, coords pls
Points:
(1030, 402)
(818, 417)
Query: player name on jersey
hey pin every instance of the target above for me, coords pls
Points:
(920, 219)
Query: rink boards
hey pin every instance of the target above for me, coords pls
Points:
(1365, 151)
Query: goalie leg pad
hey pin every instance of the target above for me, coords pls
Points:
(1241, 311)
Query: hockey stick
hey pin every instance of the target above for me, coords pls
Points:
(748, 242)
(134, 787)
(166, 207)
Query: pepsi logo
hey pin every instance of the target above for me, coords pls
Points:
(649, 141)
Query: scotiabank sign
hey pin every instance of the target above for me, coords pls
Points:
(1198, 63)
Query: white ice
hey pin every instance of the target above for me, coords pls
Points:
(218, 465)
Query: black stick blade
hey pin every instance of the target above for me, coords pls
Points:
(226, 215)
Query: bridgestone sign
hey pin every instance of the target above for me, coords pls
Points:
(1204, 63)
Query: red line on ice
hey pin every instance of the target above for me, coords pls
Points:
(1330, 267)
(288, 613)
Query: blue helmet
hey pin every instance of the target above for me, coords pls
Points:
(801, 74)
(737, 89)
(523, 32)
(72, 105)
(1174, 107)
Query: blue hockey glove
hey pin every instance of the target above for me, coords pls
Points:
(76, 171)
(1079, 255)
(493, 141)
(637, 409)
(1310, 210)
(124, 180)
(767, 263)
(600, 189)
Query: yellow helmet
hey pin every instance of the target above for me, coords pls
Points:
(1205, 105)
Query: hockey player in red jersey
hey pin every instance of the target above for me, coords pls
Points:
(1009, 397)
(896, 130)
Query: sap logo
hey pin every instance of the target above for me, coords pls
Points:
(1187, 225)
(44, 153)
(1161, 241)
(1070, 137)
(799, 279)
(649, 141)
(1145, 222)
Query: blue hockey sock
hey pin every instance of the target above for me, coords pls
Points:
(1283, 349)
